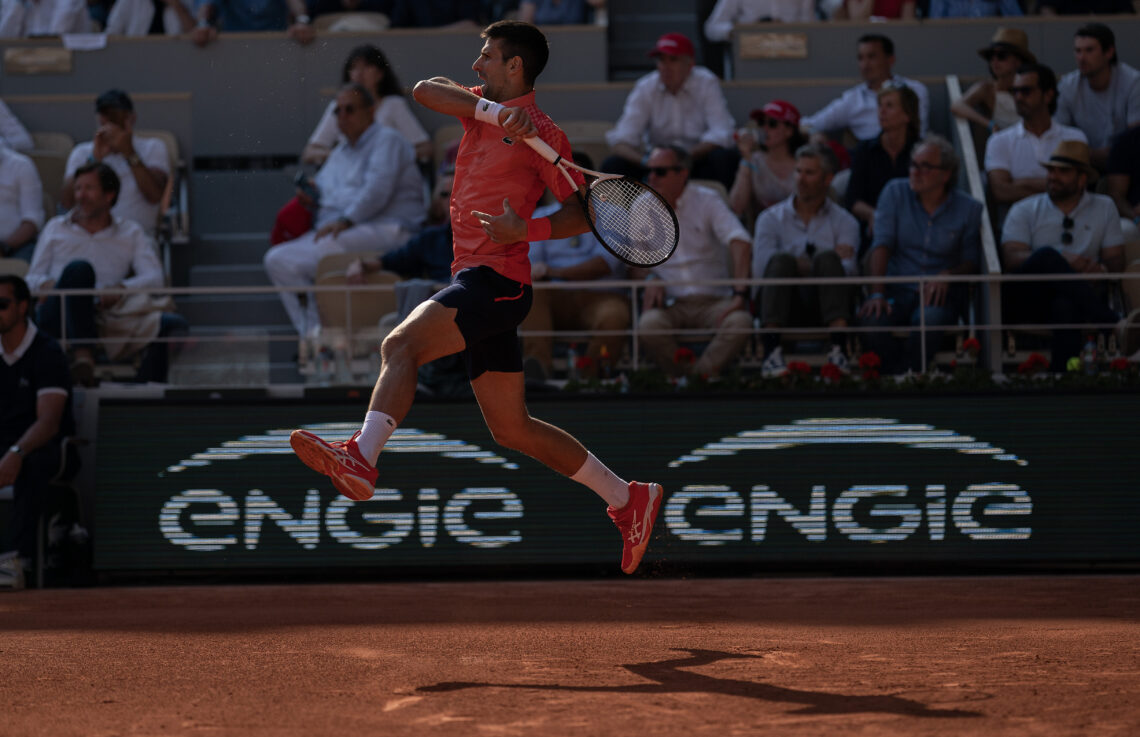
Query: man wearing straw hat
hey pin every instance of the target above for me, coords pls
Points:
(1065, 230)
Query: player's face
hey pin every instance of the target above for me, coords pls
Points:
(1091, 58)
(90, 199)
(493, 70)
(13, 314)
(874, 64)
(674, 70)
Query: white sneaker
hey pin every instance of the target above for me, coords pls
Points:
(838, 359)
(774, 366)
(11, 571)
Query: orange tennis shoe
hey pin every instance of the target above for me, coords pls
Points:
(341, 461)
(635, 522)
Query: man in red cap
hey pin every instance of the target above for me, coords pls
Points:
(680, 104)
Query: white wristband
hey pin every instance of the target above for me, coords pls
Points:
(487, 111)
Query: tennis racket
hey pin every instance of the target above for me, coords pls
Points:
(629, 218)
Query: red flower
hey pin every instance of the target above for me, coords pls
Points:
(953, 363)
(830, 372)
(1036, 360)
(870, 360)
(684, 355)
(583, 362)
(799, 368)
(972, 346)
(1119, 364)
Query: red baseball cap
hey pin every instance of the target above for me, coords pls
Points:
(778, 110)
(674, 44)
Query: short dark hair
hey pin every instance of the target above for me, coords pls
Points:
(19, 287)
(373, 56)
(523, 40)
(821, 153)
(114, 99)
(361, 91)
(1103, 35)
(1046, 81)
(680, 153)
(887, 45)
(108, 179)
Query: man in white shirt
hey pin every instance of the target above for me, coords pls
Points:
(1102, 96)
(371, 199)
(680, 104)
(21, 204)
(91, 248)
(1014, 155)
(13, 132)
(857, 109)
(710, 235)
(729, 13)
(1065, 230)
(806, 235)
(142, 164)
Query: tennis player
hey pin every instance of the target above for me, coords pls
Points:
(490, 292)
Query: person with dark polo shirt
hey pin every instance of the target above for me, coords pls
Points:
(35, 415)
(478, 314)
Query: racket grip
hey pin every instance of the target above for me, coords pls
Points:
(543, 149)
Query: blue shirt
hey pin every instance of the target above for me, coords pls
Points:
(972, 8)
(426, 255)
(558, 253)
(250, 15)
(921, 243)
(373, 180)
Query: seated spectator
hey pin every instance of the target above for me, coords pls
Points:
(1124, 174)
(924, 226)
(1014, 155)
(881, 159)
(142, 17)
(989, 102)
(857, 109)
(12, 131)
(973, 8)
(580, 258)
(35, 417)
(21, 204)
(92, 248)
(729, 13)
(318, 8)
(141, 164)
(558, 12)
(679, 104)
(711, 235)
(1101, 96)
(1065, 230)
(367, 66)
(455, 14)
(233, 16)
(44, 18)
(805, 235)
(370, 199)
(767, 170)
(865, 10)
(1086, 7)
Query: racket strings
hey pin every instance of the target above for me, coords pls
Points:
(633, 221)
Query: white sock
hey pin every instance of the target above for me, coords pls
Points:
(378, 427)
(603, 481)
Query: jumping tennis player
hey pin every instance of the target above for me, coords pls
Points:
(490, 292)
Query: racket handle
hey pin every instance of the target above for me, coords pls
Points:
(543, 149)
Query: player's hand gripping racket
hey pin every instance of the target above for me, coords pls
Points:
(630, 219)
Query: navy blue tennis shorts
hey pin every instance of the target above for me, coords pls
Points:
(490, 307)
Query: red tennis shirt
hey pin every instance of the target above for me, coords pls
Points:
(490, 167)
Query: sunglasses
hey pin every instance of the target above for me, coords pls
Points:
(660, 171)
(5, 303)
(1023, 90)
(1067, 236)
(345, 109)
(1000, 55)
(924, 167)
(773, 123)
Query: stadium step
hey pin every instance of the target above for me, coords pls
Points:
(233, 310)
(229, 275)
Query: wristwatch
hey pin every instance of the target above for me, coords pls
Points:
(134, 160)
(17, 450)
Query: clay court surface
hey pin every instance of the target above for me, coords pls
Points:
(1022, 655)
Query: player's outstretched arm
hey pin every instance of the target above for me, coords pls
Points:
(450, 98)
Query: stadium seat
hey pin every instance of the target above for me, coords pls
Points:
(363, 309)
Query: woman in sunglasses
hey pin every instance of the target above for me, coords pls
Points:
(989, 102)
(767, 170)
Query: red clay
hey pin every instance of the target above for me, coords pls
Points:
(1027, 655)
